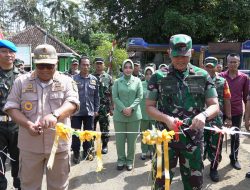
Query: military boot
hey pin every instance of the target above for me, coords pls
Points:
(17, 183)
(104, 148)
(214, 175)
(3, 182)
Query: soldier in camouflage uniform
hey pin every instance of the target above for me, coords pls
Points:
(211, 138)
(8, 129)
(183, 92)
(73, 68)
(20, 65)
(137, 72)
(106, 108)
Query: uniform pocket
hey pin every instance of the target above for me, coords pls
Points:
(29, 104)
(56, 99)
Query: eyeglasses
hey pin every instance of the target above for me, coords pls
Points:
(45, 66)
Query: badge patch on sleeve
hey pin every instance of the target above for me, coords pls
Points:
(28, 106)
(92, 82)
(74, 85)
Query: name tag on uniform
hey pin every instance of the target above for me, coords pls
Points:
(29, 88)
(57, 86)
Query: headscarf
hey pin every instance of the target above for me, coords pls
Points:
(123, 65)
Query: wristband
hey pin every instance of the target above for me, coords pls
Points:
(205, 114)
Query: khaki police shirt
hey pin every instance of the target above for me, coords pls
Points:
(36, 100)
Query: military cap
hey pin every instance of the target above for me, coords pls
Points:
(45, 54)
(74, 61)
(180, 45)
(99, 60)
(137, 63)
(8, 44)
(211, 61)
(18, 62)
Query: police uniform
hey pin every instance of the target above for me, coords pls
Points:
(182, 95)
(126, 92)
(105, 83)
(35, 100)
(8, 129)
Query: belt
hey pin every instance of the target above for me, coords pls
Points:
(5, 118)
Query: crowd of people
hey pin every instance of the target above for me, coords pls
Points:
(33, 102)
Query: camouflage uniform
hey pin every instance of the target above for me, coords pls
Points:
(140, 76)
(211, 139)
(182, 95)
(105, 91)
(8, 130)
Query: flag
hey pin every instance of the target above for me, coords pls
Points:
(111, 57)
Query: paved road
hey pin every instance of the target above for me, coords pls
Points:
(84, 177)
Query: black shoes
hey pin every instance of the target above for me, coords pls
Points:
(235, 164)
(143, 156)
(214, 175)
(129, 167)
(76, 157)
(104, 148)
(120, 167)
(248, 175)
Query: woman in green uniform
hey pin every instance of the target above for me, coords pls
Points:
(146, 122)
(127, 94)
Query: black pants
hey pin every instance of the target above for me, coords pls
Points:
(76, 123)
(8, 144)
(235, 139)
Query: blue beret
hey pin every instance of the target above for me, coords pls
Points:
(8, 44)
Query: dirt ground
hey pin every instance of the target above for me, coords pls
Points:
(84, 177)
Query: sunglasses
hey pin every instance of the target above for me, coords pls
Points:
(45, 66)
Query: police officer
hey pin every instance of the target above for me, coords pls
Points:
(37, 101)
(8, 129)
(183, 92)
(73, 68)
(211, 138)
(137, 72)
(89, 99)
(105, 83)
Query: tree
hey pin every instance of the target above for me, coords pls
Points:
(156, 21)
(119, 55)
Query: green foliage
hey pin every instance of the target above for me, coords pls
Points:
(77, 45)
(119, 55)
(156, 21)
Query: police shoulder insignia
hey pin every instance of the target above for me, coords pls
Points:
(28, 106)
(74, 85)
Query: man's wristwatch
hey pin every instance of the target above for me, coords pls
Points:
(55, 114)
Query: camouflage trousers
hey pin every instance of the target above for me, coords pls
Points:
(190, 162)
(211, 141)
(103, 119)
